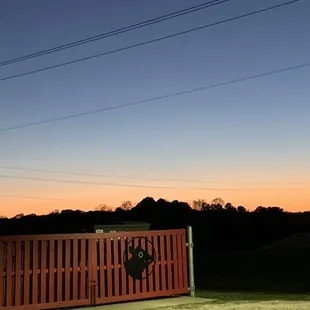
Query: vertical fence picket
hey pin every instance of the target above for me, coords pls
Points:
(157, 257)
(163, 263)
(75, 270)
(27, 256)
(89, 271)
(109, 268)
(93, 263)
(151, 268)
(96, 267)
(116, 266)
(168, 259)
(135, 243)
(123, 270)
(101, 268)
(51, 272)
(9, 275)
(131, 282)
(180, 271)
(43, 272)
(35, 265)
(67, 281)
(144, 245)
(184, 260)
(83, 270)
(18, 275)
(175, 262)
(1, 274)
(59, 270)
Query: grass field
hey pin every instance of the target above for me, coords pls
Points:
(254, 271)
(259, 279)
(223, 297)
(246, 301)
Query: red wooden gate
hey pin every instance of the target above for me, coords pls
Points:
(49, 271)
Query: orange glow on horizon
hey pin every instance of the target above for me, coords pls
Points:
(88, 198)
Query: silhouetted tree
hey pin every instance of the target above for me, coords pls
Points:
(103, 207)
(147, 204)
(206, 207)
(119, 210)
(216, 207)
(218, 201)
(229, 207)
(241, 209)
(126, 205)
(19, 216)
(179, 206)
(260, 209)
(199, 204)
(275, 209)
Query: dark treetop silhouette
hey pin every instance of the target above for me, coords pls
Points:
(217, 225)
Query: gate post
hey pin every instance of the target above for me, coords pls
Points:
(190, 245)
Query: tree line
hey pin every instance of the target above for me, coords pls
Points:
(217, 225)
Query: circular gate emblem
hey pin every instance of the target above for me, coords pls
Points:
(139, 258)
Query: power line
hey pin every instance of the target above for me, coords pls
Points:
(96, 183)
(31, 197)
(147, 42)
(203, 88)
(139, 186)
(116, 31)
(103, 175)
(131, 178)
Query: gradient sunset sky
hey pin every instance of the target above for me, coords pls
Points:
(247, 142)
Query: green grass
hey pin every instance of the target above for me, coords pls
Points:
(254, 271)
(218, 299)
(224, 297)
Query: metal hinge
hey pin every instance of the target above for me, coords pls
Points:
(190, 245)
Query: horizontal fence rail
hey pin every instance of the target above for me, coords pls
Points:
(49, 271)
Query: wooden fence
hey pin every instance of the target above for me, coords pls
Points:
(49, 271)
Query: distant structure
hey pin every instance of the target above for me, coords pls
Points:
(122, 226)
(295, 241)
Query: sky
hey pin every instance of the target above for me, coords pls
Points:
(247, 142)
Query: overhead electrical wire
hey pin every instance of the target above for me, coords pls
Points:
(96, 175)
(149, 100)
(31, 197)
(148, 42)
(103, 175)
(115, 32)
(142, 186)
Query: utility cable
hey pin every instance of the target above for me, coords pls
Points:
(116, 31)
(14, 168)
(146, 42)
(150, 100)
(138, 185)
(31, 197)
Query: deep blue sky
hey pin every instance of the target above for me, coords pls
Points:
(253, 131)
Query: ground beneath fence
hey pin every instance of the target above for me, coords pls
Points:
(187, 303)
(152, 304)
(269, 305)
